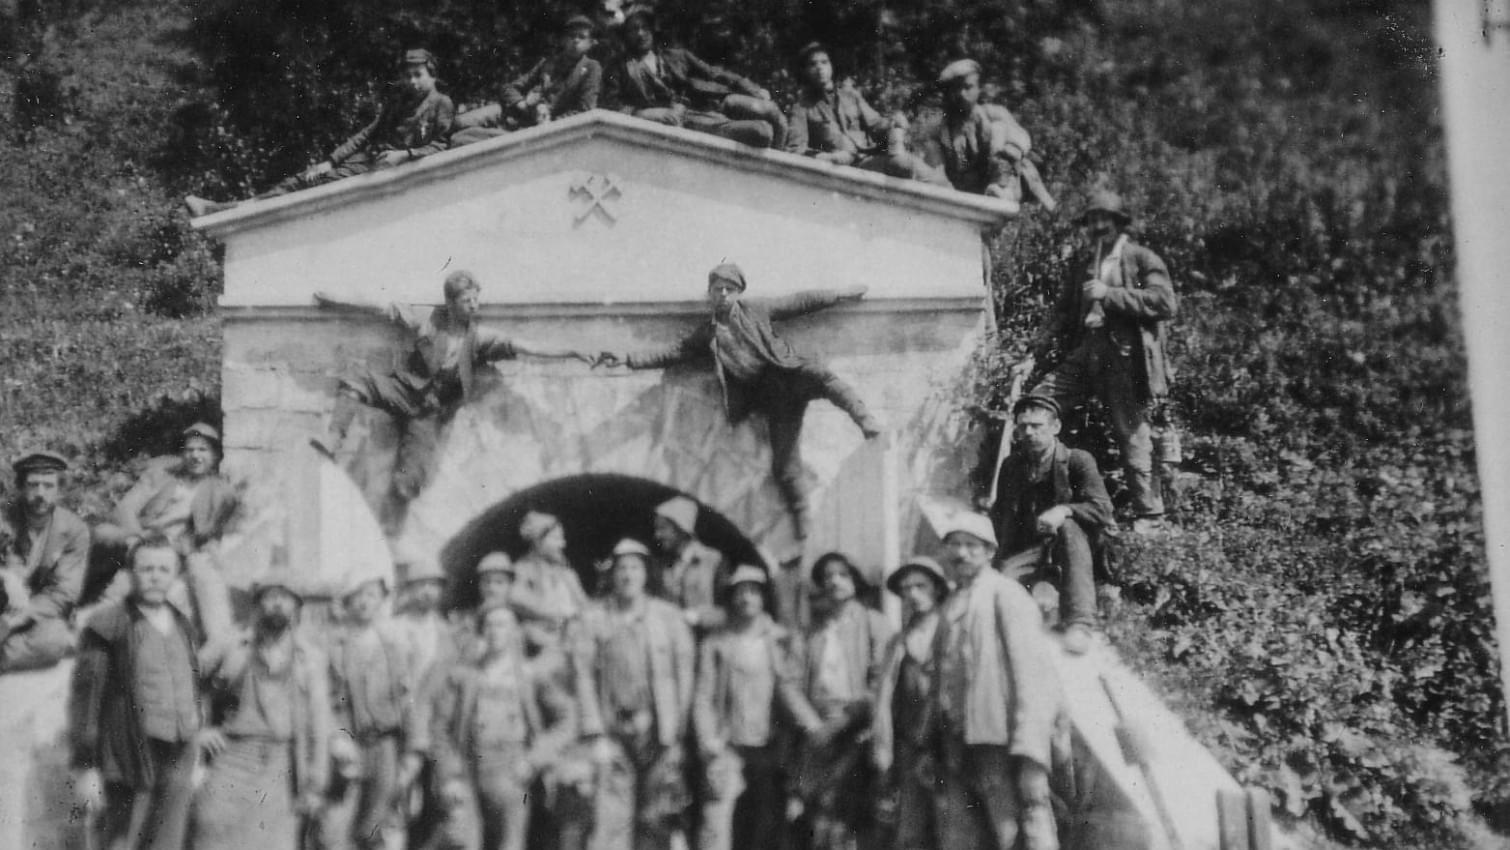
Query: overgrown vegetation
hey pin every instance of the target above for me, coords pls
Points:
(1323, 622)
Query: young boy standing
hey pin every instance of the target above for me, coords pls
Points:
(414, 124)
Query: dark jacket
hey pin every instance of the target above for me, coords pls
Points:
(818, 119)
(1138, 308)
(215, 501)
(58, 578)
(683, 79)
(863, 635)
(969, 154)
(566, 88)
(104, 732)
(1076, 482)
(752, 320)
(226, 669)
(420, 126)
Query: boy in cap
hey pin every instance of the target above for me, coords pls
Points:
(185, 497)
(695, 575)
(1112, 319)
(841, 667)
(759, 371)
(134, 710)
(836, 124)
(672, 86)
(557, 87)
(436, 378)
(42, 568)
(983, 147)
(745, 675)
(382, 737)
(903, 732)
(998, 699)
(635, 684)
(267, 744)
(497, 724)
(415, 123)
(495, 577)
(1050, 511)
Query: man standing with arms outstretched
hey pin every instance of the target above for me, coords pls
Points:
(759, 371)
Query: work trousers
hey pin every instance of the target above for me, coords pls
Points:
(640, 795)
(980, 805)
(358, 163)
(1097, 369)
(477, 125)
(918, 792)
(247, 799)
(359, 814)
(744, 796)
(503, 803)
(42, 644)
(155, 817)
(745, 119)
(1071, 569)
(784, 401)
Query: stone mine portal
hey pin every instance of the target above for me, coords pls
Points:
(597, 233)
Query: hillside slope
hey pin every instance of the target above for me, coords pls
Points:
(1323, 621)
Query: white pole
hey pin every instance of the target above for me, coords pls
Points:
(1474, 36)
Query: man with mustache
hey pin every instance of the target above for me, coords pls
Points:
(41, 568)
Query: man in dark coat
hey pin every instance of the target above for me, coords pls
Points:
(134, 710)
(1049, 513)
(759, 371)
(1111, 317)
(42, 566)
(672, 86)
(558, 86)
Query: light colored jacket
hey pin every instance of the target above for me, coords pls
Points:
(717, 691)
(1012, 693)
(673, 662)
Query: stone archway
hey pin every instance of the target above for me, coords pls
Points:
(596, 510)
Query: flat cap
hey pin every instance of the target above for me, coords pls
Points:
(495, 562)
(729, 272)
(640, 10)
(579, 22)
(536, 525)
(1043, 402)
(418, 56)
(918, 563)
(973, 524)
(748, 574)
(958, 70)
(630, 546)
(286, 583)
(40, 461)
(201, 429)
(356, 583)
(681, 511)
(808, 50)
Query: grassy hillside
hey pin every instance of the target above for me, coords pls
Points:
(1323, 622)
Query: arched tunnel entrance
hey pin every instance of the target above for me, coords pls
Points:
(596, 511)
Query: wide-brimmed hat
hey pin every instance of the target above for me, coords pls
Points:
(1108, 202)
(495, 562)
(973, 524)
(681, 511)
(923, 564)
(815, 575)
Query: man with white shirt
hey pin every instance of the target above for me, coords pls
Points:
(1113, 321)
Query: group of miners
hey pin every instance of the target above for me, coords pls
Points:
(685, 700)
(978, 147)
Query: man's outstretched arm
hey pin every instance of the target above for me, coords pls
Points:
(359, 305)
(811, 301)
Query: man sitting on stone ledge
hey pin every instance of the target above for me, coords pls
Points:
(759, 371)
(435, 379)
(1049, 512)
(557, 87)
(672, 86)
(41, 567)
(983, 147)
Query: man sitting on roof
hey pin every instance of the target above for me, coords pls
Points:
(672, 86)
